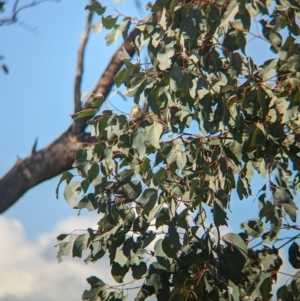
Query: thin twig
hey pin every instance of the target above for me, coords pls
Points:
(16, 10)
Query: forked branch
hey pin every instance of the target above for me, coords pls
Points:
(59, 155)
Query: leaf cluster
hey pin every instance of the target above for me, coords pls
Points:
(163, 189)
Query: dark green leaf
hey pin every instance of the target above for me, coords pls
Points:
(294, 255)
(97, 291)
(95, 6)
(93, 172)
(138, 270)
(61, 237)
(89, 202)
(219, 213)
(79, 245)
(66, 175)
(85, 113)
(109, 21)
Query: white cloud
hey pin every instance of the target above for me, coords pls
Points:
(29, 271)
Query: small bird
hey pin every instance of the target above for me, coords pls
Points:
(135, 112)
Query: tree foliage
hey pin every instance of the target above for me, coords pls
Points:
(212, 120)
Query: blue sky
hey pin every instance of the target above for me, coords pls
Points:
(37, 98)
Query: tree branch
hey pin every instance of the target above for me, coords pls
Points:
(60, 154)
(40, 166)
(79, 68)
(16, 10)
(107, 79)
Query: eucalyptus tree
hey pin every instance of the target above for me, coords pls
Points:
(162, 182)
(212, 119)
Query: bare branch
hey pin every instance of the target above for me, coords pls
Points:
(79, 68)
(15, 11)
(107, 80)
(15, 6)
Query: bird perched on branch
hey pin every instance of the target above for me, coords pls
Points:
(135, 112)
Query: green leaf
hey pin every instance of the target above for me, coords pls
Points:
(200, 217)
(64, 249)
(79, 245)
(176, 76)
(161, 256)
(219, 213)
(61, 237)
(164, 56)
(124, 27)
(152, 100)
(181, 160)
(66, 176)
(85, 113)
(120, 266)
(283, 195)
(269, 69)
(133, 189)
(98, 249)
(71, 192)
(231, 10)
(112, 36)
(172, 8)
(123, 56)
(282, 292)
(121, 259)
(96, 7)
(138, 270)
(265, 289)
(137, 139)
(153, 133)
(217, 80)
(294, 255)
(119, 78)
(93, 172)
(241, 41)
(148, 200)
(137, 87)
(291, 210)
(97, 27)
(97, 291)
(253, 227)
(89, 202)
(146, 238)
(162, 218)
(241, 190)
(235, 240)
(109, 22)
